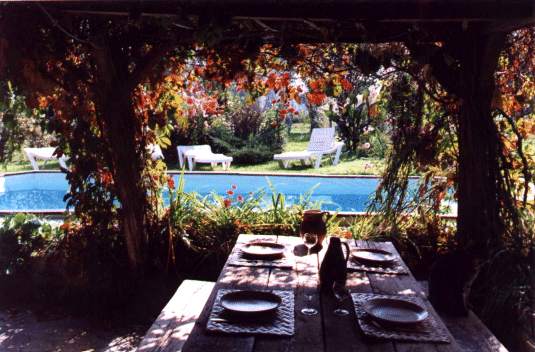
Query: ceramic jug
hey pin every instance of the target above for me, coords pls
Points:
(314, 222)
(334, 265)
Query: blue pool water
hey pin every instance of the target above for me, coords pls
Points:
(45, 190)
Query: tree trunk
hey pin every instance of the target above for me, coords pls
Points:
(479, 227)
(121, 130)
(313, 114)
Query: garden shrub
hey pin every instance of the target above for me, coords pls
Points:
(69, 265)
(252, 155)
(245, 122)
(21, 238)
(248, 135)
(379, 144)
(194, 131)
(19, 125)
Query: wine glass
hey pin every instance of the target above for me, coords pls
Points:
(310, 240)
(308, 310)
(341, 293)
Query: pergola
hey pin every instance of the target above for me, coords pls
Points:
(473, 32)
(334, 20)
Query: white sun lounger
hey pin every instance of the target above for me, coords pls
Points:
(201, 154)
(321, 143)
(46, 153)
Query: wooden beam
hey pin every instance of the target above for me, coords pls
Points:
(264, 26)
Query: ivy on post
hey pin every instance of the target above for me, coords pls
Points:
(479, 226)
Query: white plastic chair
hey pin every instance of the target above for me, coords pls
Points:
(322, 142)
(46, 153)
(201, 154)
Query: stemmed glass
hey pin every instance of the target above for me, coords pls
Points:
(341, 293)
(310, 240)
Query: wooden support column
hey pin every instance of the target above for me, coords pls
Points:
(121, 128)
(479, 227)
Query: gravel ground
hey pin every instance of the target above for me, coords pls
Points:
(24, 330)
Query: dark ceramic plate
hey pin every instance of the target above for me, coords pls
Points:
(372, 256)
(263, 250)
(395, 311)
(250, 302)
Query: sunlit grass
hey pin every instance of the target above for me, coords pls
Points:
(20, 163)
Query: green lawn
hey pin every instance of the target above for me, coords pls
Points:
(20, 163)
(297, 140)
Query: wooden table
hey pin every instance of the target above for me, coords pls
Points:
(323, 332)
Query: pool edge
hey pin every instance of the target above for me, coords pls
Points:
(245, 173)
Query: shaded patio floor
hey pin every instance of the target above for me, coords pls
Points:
(23, 330)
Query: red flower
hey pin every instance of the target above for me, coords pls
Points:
(316, 98)
(189, 101)
(240, 198)
(66, 226)
(106, 178)
(234, 187)
(230, 192)
(273, 101)
(170, 183)
(346, 85)
(227, 203)
(314, 85)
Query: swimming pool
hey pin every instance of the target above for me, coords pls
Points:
(44, 191)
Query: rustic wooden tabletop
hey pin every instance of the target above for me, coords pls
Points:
(322, 332)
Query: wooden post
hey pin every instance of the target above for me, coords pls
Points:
(121, 127)
(479, 226)
(121, 130)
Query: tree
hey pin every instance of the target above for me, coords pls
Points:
(87, 73)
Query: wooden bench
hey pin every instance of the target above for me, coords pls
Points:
(472, 335)
(470, 332)
(174, 324)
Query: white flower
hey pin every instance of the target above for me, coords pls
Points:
(359, 100)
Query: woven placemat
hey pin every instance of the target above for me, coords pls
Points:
(286, 262)
(282, 324)
(430, 330)
(397, 267)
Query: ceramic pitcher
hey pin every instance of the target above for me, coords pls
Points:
(314, 222)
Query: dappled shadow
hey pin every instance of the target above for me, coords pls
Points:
(244, 277)
(25, 331)
(168, 333)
